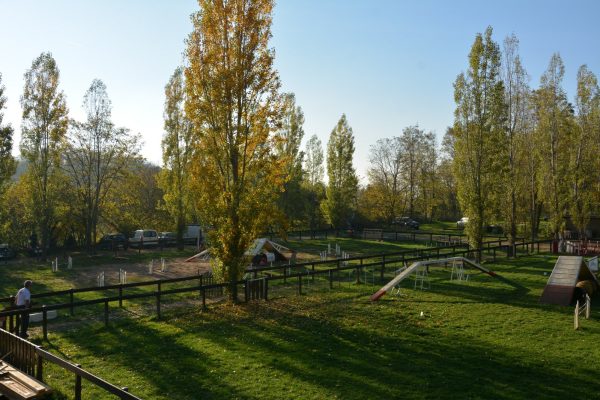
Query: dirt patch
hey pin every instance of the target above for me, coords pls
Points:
(138, 272)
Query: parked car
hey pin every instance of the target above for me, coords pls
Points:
(144, 238)
(113, 241)
(462, 222)
(494, 229)
(167, 239)
(406, 222)
(6, 252)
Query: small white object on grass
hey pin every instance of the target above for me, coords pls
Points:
(422, 314)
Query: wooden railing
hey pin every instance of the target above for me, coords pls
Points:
(30, 358)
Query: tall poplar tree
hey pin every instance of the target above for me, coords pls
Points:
(478, 133)
(234, 105)
(342, 187)
(313, 181)
(291, 200)
(177, 148)
(554, 117)
(43, 130)
(516, 97)
(583, 171)
(7, 161)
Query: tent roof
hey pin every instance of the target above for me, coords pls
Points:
(265, 244)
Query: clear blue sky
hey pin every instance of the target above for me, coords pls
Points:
(386, 64)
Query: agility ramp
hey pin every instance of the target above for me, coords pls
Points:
(567, 272)
(203, 255)
(406, 273)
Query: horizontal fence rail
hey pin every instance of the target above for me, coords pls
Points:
(369, 233)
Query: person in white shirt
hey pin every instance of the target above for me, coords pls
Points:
(23, 300)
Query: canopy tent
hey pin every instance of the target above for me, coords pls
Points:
(266, 246)
(259, 247)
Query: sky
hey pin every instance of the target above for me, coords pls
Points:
(385, 64)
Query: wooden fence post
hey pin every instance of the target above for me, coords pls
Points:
(158, 299)
(39, 372)
(121, 295)
(106, 313)
(77, 384)
(266, 289)
(45, 322)
(330, 273)
(72, 309)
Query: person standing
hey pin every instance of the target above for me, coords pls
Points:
(23, 301)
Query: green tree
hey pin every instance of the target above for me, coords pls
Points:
(411, 159)
(136, 203)
(43, 130)
(554, 116)
(449, 205)
(584, 150)
(7, 161)
(478, 132)
(516, 97)
(177, 147)
(428, 196)
(291, 200)
(313, 181)
(342, 187)
(386, 187)
(97, 158)
(234, 105)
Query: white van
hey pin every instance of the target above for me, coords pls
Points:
(144, 238)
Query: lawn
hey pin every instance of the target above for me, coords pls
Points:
(355, 247)
(481, 338)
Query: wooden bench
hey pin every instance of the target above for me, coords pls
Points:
(16, 385)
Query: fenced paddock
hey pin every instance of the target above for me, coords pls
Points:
(262, 284)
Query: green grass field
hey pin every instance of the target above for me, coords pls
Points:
(484, 338)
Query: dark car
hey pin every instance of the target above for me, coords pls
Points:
(494, 229)
(167, 239)
(406, 222)
(6, 252)
(113, 241)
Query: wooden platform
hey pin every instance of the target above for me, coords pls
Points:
(560, 287)
(16, 385)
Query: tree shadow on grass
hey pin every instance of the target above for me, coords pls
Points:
(368, 363)
(153, 363)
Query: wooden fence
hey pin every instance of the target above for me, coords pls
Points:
(388, 235)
